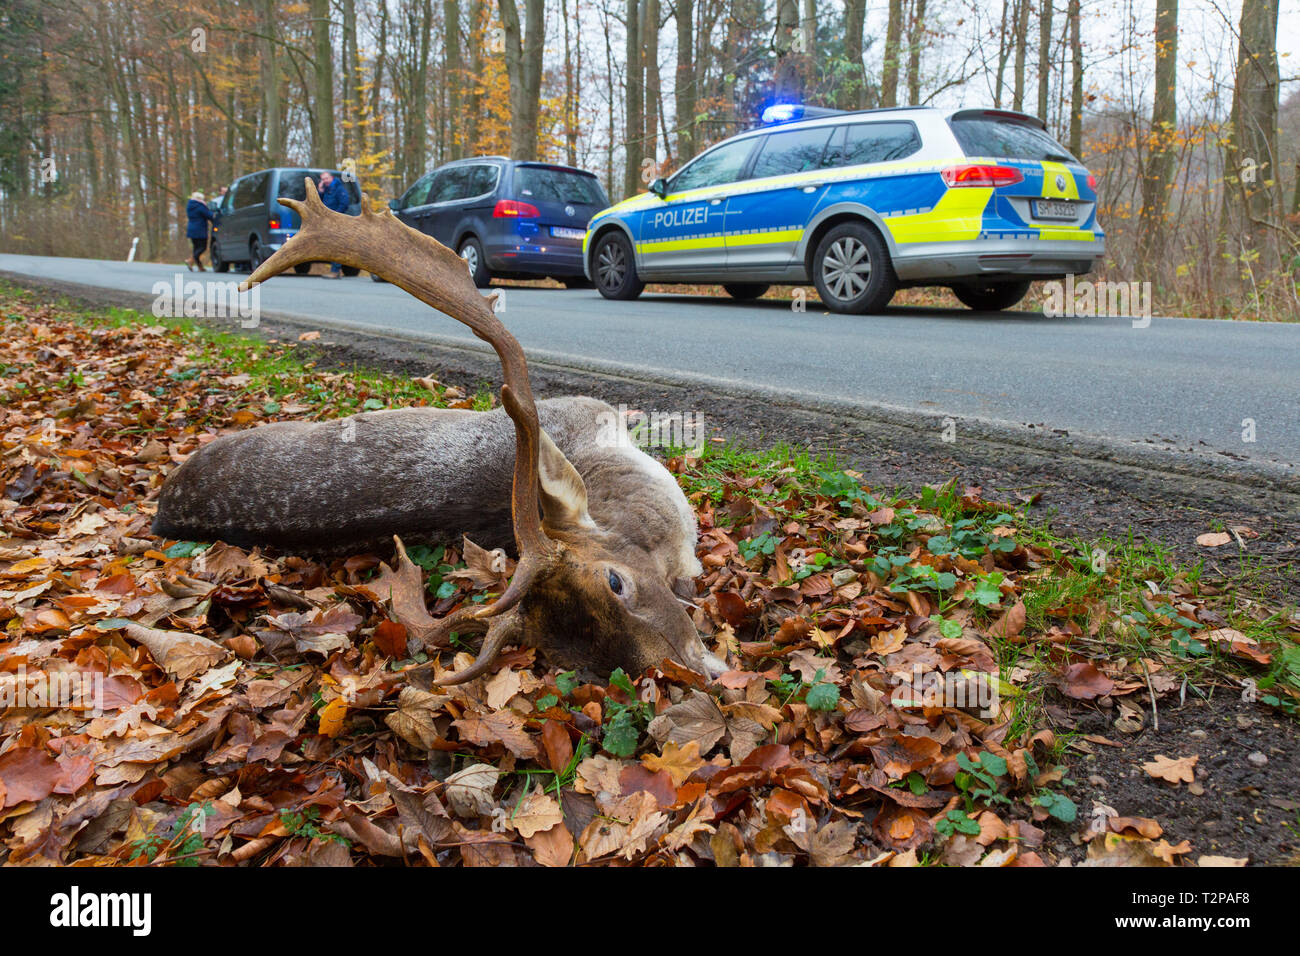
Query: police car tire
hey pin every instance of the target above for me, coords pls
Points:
(991, 296)
(745, 291)
(631, 286)
(881, 284)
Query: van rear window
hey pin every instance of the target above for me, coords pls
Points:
(557, 185)
(999, 138)
(292, 186)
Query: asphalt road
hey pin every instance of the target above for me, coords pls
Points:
(1185, 385)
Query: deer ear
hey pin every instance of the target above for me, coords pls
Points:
(564, 496)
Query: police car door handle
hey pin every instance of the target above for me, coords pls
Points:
(813, 187)
(715, 200)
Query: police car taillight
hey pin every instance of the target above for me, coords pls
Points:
(1092, 182)
(976, 174)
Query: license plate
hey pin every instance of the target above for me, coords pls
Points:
(564, 232)
(1048, 209)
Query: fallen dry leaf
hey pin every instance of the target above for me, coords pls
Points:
(1171, 770)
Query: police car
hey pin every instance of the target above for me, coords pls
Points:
(860, 204)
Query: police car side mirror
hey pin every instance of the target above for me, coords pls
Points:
(659, 187)
(394, 205)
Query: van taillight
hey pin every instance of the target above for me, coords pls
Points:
(981, 175)
(513, 209)
(275, 223)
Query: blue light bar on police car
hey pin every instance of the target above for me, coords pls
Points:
(782, 113)
(788, 112)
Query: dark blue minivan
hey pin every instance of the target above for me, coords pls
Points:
(250, 224)
(507, 218)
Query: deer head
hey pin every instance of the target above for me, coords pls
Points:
(583, 598)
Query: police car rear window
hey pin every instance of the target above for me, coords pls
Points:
(1006, 139)
(872, 143)
(794, 151)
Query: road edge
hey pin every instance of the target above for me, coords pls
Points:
(1261, 475)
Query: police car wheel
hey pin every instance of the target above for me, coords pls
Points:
(302, 268)
(745, 291)
(615, 269)
(991, 296)
(852, 271)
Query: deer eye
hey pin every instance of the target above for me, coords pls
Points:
(615, 583)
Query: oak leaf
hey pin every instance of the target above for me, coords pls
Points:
(1172, 770)
(680, 762)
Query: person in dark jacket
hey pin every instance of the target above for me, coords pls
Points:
(335, 196)
(197, 215)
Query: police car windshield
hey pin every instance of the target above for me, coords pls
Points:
(1007, 139)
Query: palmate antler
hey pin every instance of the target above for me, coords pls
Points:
(381, 244)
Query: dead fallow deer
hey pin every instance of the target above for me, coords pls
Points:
(604, 535)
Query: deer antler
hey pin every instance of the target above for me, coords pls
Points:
(428, 270)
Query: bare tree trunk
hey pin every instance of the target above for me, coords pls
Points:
(808, 30)
(417, 153)
(916, 41)
(524, 69)
(477, 11)
(269, 74)
(650, 48)
(1022, 43)
(454, 76)
(686, 79)
(322, 134)
(1253, 171)
(893, 35)
(1159, 171)
(852, 93)
(1003, 52)
(1044, 58)
(728, 67)
(351, 82)
(570, 111)
(634, 118)
(783, 43)
(609, 86)
(1076, 80)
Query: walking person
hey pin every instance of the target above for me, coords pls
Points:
(335, 196)
(197, 215)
